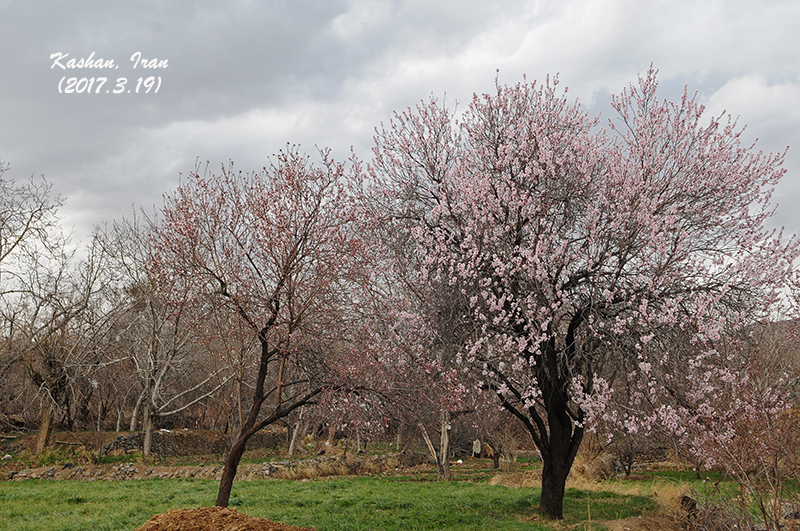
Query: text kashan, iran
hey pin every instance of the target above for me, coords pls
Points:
(91, 62)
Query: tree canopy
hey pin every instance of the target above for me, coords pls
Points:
(578, 247)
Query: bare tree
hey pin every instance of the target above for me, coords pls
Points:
(150, 334)
(57, 321)
(28, 226)
(47, 315)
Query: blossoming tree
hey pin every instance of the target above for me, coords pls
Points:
(280, 250)
(577, 246)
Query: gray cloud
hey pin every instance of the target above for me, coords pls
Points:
(244, 78)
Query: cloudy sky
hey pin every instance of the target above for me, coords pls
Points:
(244, 78)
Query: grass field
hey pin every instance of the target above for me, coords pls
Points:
(343, 504)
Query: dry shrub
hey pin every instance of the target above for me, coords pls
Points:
(409, 459)
(378, 464)
(516, 480)
(332, 466)
(712, 515)
(330, 450)
(668, 496)
(590, 468)
(638, 523)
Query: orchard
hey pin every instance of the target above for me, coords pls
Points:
(521, 258)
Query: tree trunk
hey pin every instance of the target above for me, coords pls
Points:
(442, 457)
(249, 428)
(627, 464)
(554, 479)
(229, 472)
(444, 447)
(147, 419)
(557, 437)
(68, 420)
(238, 448)
(332, 434)
(135, 414)
(429, 443)
(99, 411)
(559, 441)
(558, 455)
(295, 432)
(45, 427)
(399, 430)
(294, 439)
(492, 444)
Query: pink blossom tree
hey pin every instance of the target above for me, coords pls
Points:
(741, 417)
(404, 374)
(576, 247)
(281, 250)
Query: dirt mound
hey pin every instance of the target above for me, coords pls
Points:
(213, 519)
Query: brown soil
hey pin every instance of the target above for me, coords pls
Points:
(213, 519)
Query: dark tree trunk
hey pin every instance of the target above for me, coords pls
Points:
(554, 478)
(249, 427)
(239, 447)
(559, 436)
(561, 443)
(560, 440)
(557, 460)
(231, 466)
(556, 464)
(626, 466)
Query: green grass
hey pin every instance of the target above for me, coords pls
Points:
(98, 505)
(585, 505)
(343, 504)
(528, 459)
